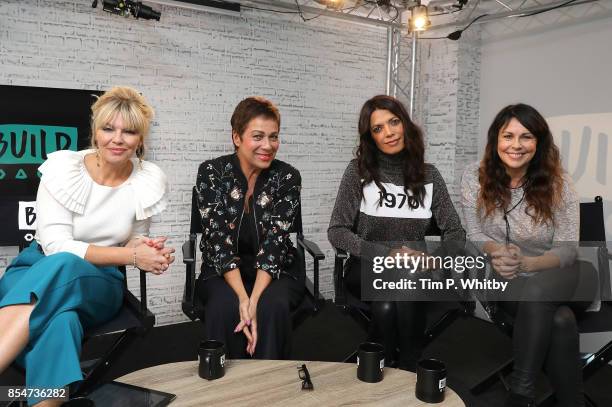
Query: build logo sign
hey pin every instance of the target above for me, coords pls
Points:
(34, 122)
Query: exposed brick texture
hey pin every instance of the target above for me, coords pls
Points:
(194, 67)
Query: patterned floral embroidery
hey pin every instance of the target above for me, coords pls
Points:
(236, 194)
(263, 200)
(283, 225)
(221, 188)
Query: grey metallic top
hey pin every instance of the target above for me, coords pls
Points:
(533, 239)
(369, 224)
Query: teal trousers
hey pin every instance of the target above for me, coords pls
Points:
(70, 295)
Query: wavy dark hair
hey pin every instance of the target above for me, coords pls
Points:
(413, 154)
(543, 182)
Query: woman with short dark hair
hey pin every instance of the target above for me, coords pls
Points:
(250, 278)
(390, 161)
(521, 210)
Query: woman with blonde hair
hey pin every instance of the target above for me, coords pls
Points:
(94, 209)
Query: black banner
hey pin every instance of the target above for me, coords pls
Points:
(34, 122)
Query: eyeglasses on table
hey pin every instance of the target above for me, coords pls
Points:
(305, 377)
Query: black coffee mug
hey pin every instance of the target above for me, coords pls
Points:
(370, 362)
(431, 380)
(212, 360)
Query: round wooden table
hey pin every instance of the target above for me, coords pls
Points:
(276, 382)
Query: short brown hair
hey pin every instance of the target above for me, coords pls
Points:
(250, 108)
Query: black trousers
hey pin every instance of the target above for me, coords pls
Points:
(545, 329)
(397, 325)
(274, 325)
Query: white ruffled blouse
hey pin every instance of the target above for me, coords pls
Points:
(73, 211)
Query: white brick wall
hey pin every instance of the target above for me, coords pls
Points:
(194, 67)
(447, 104)
(468, 103)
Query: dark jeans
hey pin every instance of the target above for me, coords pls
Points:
(545, 329)
(274, 325)
(395, 324)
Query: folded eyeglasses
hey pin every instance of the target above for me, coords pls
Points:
(305, 377)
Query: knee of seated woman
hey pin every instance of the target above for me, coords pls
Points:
(382, 308)
(533, 291)
(273, 305)
(65, 258)
(564, 318)
(66, 262)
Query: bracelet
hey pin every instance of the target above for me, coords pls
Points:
(134, 259)
(523, 267)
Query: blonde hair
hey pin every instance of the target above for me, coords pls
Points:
(131, 105)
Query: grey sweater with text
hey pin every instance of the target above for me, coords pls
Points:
(361, 225)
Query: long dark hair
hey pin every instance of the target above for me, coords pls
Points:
(543, 184)
(413, 155)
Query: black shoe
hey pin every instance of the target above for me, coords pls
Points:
(518, 400)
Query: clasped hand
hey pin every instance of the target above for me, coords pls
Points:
(507, 260)
(418, 258)
(248, 322)
(152, 255)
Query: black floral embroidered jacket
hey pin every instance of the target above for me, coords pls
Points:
(221, 187)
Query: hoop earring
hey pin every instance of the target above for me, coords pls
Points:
(140, 154)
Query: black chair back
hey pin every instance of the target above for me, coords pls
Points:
(192, 305)
(593, 234)
(195, 226)
(592, 224)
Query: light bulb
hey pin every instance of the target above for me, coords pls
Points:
(419, 20)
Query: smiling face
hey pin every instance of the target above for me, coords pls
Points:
(516, 147)
(116, 144)
(256, 147)
(387, 131)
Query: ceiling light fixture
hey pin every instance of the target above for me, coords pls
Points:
(332, 4)
(419, 18)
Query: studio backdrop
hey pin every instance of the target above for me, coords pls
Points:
(34, 122)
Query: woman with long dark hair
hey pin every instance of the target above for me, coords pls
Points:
(390, 161)
(521, 209)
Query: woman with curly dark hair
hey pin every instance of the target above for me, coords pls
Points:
(389, 194)
(522, 211)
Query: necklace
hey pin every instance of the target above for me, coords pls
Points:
(506, 212)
